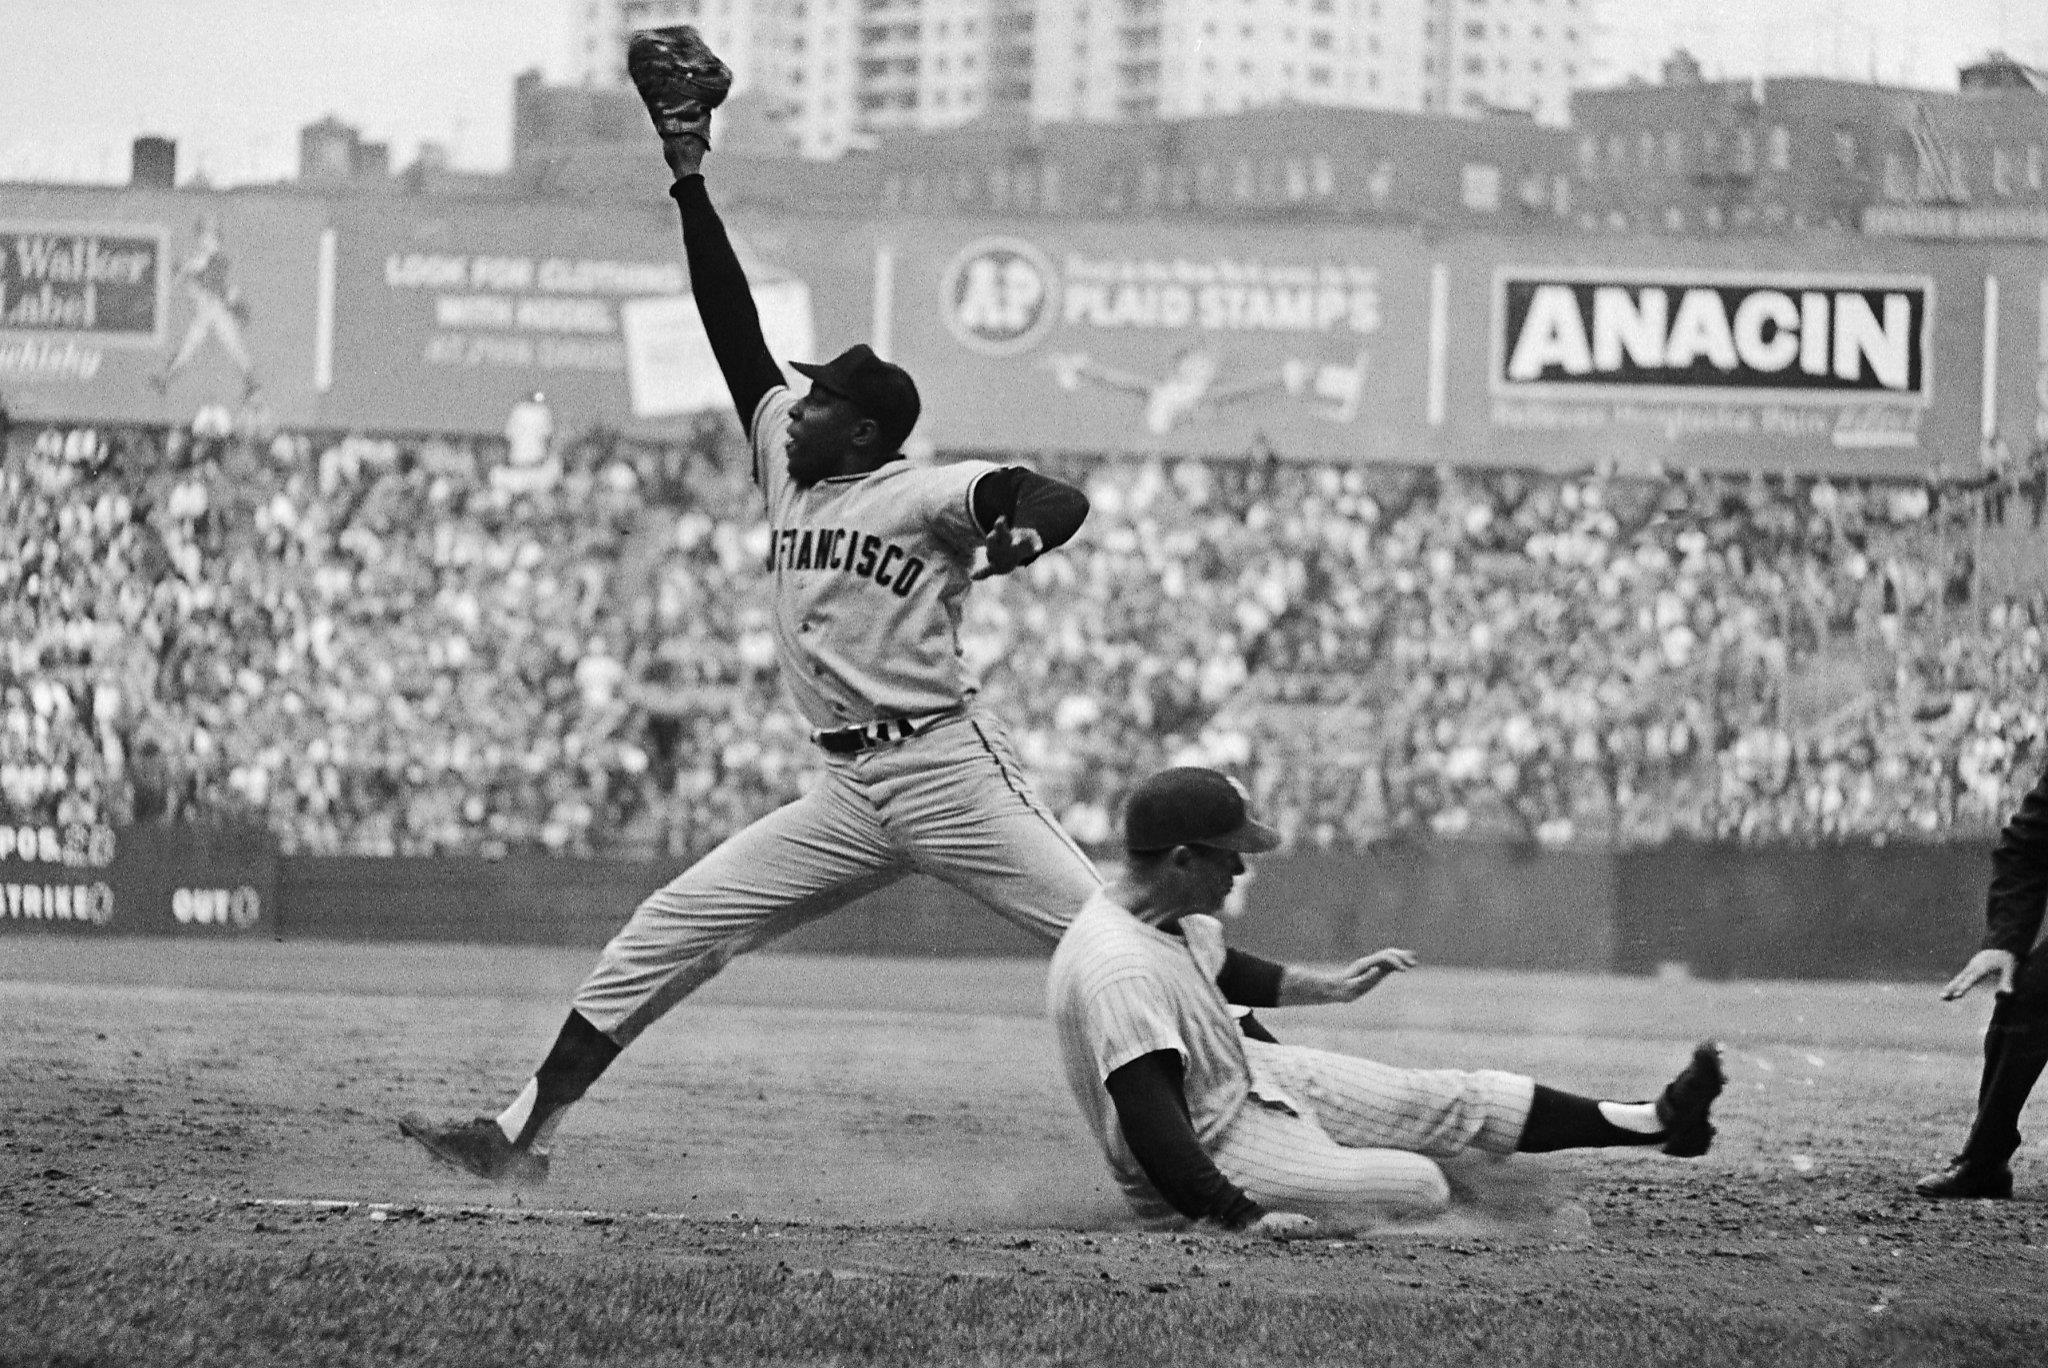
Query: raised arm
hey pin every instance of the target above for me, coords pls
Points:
(724, 299)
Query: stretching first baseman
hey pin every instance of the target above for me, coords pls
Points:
(872, 556)
(1204, 1117)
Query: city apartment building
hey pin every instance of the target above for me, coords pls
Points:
(1692, 156)
(839, 74)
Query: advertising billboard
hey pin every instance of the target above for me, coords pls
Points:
(1208, 341)
(136, 880)
(445, 315)
(1809, 353)
(138, 307)
(392, 313)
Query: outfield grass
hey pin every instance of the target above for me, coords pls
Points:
(207, 1307)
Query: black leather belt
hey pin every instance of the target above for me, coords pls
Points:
(887, 732)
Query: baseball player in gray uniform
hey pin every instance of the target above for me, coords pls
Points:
(870, 556)
(1203, 1116)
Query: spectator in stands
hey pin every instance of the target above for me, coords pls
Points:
(1585, 657)
(530, 461)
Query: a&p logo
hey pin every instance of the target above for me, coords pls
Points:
(999, 295)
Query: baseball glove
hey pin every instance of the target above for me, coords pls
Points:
(679, 79)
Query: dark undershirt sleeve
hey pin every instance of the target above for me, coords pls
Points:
(1054, 508)
(725, 302)
(1152, 1110)
(1249, 981)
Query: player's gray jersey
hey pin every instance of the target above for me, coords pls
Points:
(1119, 988)
(869, 574)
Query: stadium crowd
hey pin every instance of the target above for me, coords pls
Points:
(380, 647)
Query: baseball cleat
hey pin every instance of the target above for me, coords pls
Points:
(1683, 1106)
(1963, 1179)
(477, 1147)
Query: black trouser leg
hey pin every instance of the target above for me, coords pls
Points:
(2015, 1052)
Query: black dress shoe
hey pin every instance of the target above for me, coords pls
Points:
(1963, 1179)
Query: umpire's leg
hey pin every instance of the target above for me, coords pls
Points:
(2015, 1051)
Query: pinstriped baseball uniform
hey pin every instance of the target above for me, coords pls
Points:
(869, 572)
(1299, 1130)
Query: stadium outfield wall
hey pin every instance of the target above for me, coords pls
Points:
(1827, 353)
(1861, 912)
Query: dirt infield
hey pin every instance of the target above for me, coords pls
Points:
(905, 1119)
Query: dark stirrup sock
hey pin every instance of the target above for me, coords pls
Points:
(1561, 1120)
(580, 1056)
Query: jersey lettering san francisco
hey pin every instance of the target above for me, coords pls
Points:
(870, 572)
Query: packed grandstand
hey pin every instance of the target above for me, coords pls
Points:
(372, 646)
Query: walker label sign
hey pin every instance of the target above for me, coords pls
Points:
(119, 306)
(102, 283)
(1846, 359)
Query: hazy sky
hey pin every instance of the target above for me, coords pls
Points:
(233, 80)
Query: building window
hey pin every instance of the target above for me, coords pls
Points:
(1674, 152)
(1845, 148)
(1781, 148)
(1646, 149)
(1617, 151)
(1745, 151)
(1589, 154)
(2033, 166)
(1475, 66)
(1480, 187)
(2001, 171)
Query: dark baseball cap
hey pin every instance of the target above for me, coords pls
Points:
(883, 390)
(1189, 805)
